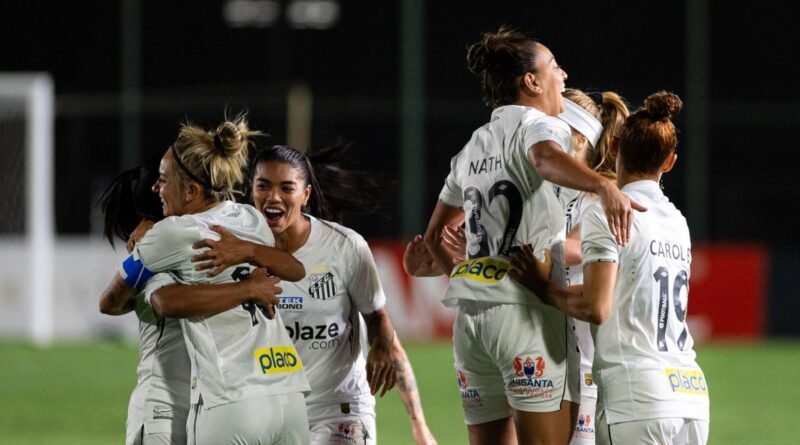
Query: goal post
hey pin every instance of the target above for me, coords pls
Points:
(30, 96)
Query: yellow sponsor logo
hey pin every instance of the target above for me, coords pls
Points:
(687, 381)
(485, 269)
(277, 359)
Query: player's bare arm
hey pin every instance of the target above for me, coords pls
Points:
(589, 302)
(117, 298)
(381, 373)
(418, 261)
(443, 215)
(407, 390)
(205, 300)
(556, 166)
(231, 250)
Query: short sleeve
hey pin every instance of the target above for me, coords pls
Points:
(155, 283)
(597, 243)
(363, 284)
(168, 244)
(546, 128)
(451, 193)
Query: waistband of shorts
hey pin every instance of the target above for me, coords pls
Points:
(325, 410)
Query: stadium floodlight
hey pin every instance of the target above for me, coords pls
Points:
(26, 108)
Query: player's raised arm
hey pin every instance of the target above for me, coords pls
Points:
(205, 300)
(230, 250)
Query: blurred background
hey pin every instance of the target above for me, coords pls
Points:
(100, 86)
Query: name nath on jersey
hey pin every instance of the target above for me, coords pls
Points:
(485, 165)
(687, 381)
(484, 269)
(275, 359)
(670, 251)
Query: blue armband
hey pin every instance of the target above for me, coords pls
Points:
(135, 272)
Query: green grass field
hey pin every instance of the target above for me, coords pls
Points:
(78, 393)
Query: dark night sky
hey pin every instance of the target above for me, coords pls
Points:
(193, 65)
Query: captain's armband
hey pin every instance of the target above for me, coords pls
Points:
(133, 271)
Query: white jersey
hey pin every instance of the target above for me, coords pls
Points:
(574, 276)
(506, 203)
(644, 362)
(163, 372)
(239, 353)
(321, 313)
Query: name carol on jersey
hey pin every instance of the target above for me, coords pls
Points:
(275, 359)
(670, 251)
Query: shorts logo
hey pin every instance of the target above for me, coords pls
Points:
(293, 304)
(346, 434)
(485, 270)
(584, 429)
(462, 379)
(470, 398)
(528, 382)
(528, 368)
(278, 359)
(322, 286)
(687, 381)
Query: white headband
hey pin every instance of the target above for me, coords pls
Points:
(583, 122)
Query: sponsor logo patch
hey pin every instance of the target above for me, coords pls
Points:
(347, 433)
(528, 382)
(290, 304)
(277, 359)
(687, 381)
(584, 429)
(485, 270)
(470, 398)
(321, 336)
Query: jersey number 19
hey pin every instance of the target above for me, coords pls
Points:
(681, 280)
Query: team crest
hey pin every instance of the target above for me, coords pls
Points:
(322, 286)
(530, 368)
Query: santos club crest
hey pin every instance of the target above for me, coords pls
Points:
(322, 286)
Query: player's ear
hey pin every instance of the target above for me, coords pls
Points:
(530, 84)
(669, 162)
(614, 145)
(193, 190)
(307, 194)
